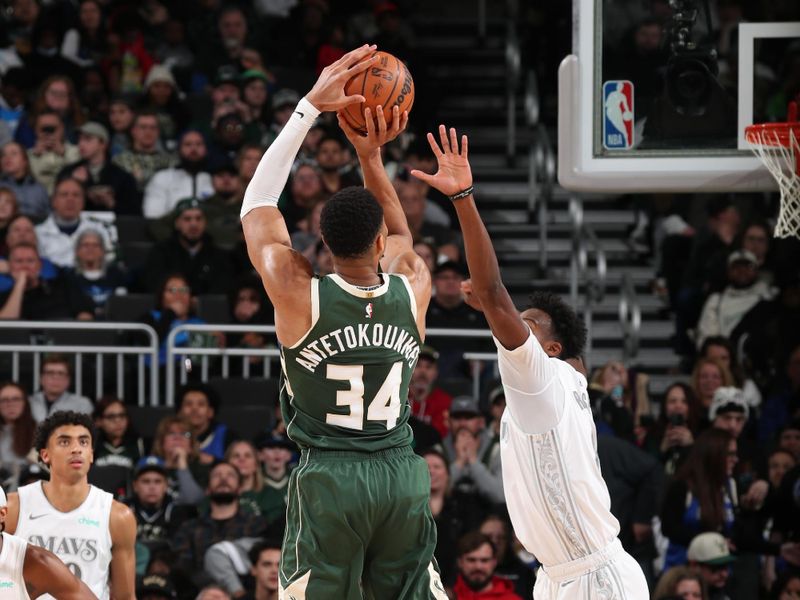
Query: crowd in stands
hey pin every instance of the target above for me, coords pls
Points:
(155, 114)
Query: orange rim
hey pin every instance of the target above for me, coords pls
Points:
(773, 134)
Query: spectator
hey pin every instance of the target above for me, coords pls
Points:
(8, 210)
(720, 349)
(93, 275)
(267, 501)
(31, 195)
(198, 403)
(783, 404)
(155, 587)
(177, 447)
(162, 96)
(189, 179)
(108, 187)
(429, 402)
(228, 137)
(473, 453)
(225, 522)
(789, 438)
(56, 95)
(56, 378)
(786, 587)
(255, 94)
(729, 411)
(476, 567)
(86, 45)
(307, 236)
(627, 388)
(158, 516)
(21, 231)
(779, 463)
(222, 208)
(332, 161)
(306, 192)
(680, 583)
(249, 306)
(415, 205)
(145, 156)
(275, 454)
(120, 118)
(174, 52)
(34, 298)
(497, 406)
(173, 308)
(247, 162)
(283, 103)
(702, 496)
(213, 592)
(708, 375)
(17, 427)
(427, 252)
(59, 233)
(192, 252)
(448, 309)
(12, 98)
(265, 558)
(509, 567)
(51, 152)
(117, 448)
(672, 435)
(710, 556)
(724, 310)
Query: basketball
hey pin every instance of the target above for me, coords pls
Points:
(386, 84)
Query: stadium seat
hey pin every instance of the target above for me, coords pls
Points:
(145, 419)
(131, 229)
(134, 254)
(236, 391)
(247, 421)
(213, 308)
(83, 337)
(456, 386)
(129, 307)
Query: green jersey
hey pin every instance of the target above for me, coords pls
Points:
(344, 385)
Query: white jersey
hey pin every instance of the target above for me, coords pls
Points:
(80, 538)
(12, 560)
(556, 496)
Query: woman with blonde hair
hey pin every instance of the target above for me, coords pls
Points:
(177, 446)
(269, 503)
(56, 94)
(708, 375)
(681, 583)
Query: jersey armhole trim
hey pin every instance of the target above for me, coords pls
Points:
(411, 297)
(314, 312)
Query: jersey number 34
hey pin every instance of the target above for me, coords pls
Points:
(385, 406)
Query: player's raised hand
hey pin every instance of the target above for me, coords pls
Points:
(328, 92)
(454, 174)
(379, 132)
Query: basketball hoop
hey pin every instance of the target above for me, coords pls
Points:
(776, 144)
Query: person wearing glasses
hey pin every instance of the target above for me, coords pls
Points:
(16, 428)
(54, 395)
(187, 473)
(117, 448)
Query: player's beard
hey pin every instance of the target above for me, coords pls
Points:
(477, 582)
(224, 498)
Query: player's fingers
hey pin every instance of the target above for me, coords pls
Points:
(381, 119)
(464, 145)
(434, 146)
(445, 142)
(344, 125)
(352, 57)
(404, 120)
(370, 122)
(454, 140)
(348, 100)
(422, 176)
(396, 119)
(349, 72)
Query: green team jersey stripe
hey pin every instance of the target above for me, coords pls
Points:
(345, 383)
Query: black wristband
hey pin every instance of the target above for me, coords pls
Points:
(461, 194)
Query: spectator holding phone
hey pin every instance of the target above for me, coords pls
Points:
(672, 435)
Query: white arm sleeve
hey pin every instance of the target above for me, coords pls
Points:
(534, 394)
(272, 172)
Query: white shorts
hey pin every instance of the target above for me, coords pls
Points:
(608, 574)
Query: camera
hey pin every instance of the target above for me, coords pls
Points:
(677, 420)
(48, 129)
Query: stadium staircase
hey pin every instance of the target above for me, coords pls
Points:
(470, 74)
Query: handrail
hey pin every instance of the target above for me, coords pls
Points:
(630, 318)
(174, 352)
(513, 62)
(150, 350)
(584, 242)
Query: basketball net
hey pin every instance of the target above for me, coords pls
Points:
(776, 144)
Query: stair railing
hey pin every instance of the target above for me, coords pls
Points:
(541, 167)
(630, 318)
(513, 62)
(584, 243)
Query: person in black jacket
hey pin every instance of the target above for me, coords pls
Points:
(108, 187)
(192, 252)
(117, 448)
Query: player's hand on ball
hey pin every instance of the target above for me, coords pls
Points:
(454, 174)
(328, 92)
(377, 135)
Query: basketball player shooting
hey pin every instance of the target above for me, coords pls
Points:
(556, 496)
(27, 571)
(92, 534)
(358, 521)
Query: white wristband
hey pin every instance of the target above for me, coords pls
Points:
(272, 172)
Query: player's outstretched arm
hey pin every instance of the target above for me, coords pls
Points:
(44, 573)
(122, 526)
(286, 273)
(399, 256)
(453, 177)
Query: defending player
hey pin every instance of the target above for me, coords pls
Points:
(84, 526)
(357, 519)
(27, 571)
(556, 496)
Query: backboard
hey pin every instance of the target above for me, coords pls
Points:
(657, 93)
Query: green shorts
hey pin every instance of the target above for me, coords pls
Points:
(359, 526)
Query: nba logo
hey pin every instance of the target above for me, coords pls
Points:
(618, 115)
